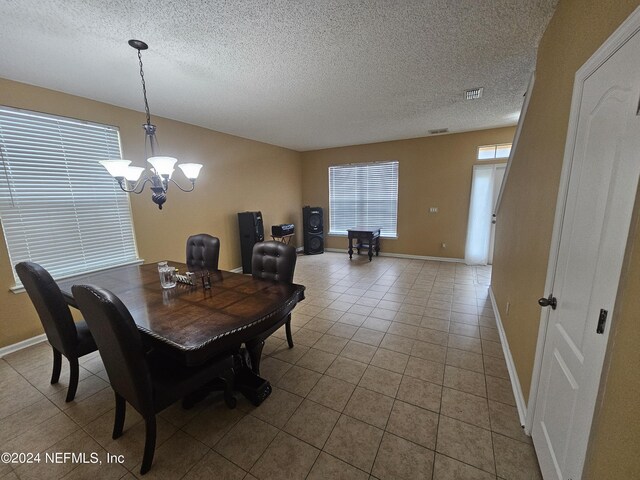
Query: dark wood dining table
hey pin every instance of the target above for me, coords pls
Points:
(193, 323)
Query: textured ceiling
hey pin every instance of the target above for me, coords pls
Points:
(304, 74)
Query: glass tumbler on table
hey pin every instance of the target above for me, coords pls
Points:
(167, 275)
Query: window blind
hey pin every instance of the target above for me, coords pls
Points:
(59, 207)
(364, 195)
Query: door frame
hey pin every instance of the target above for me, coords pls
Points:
(623, 33)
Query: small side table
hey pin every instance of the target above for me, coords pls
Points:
(366, 237)
(286, 239)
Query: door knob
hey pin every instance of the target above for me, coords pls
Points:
(548, 302)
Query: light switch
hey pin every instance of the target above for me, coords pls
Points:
(433, 210)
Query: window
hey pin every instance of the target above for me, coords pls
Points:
(364, 195)
(59, 207)
(493, 152)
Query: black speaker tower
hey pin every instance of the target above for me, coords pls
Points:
(251, 232)
(313, 230)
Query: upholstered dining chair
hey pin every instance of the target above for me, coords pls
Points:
(275, 261)
(149, 381)
(68, 338)
(203, 252)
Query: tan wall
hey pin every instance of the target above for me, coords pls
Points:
(433, 172)
(525, 223)
(238, 175)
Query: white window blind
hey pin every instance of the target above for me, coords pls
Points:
(364, 195)
(59, 207)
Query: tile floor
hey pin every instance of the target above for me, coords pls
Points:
(397, 372)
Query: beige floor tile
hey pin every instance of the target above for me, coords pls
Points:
(505, 421)
(488, 333)
(467, 443)
(464, 329)
(496, 367)
(378, 324)
(26, 418)
(246, 441)
(312, 423)
(400, 459)
(362, 309)
(446, 468)
(464, 318)
(403, 330)
(370, 407)
(386, 310)
(87, 410)
(286, 457)
(319, 325)
(397, 343)
(174, 458)
(500, 390)
(214, 465)
(360, 352)
(306, 337)
(425, 370)
(329, 467)
(299, 380)
(290, 355)
(465, 380)
(355, 319)
(331, 344)
(462, 342)
(330, 314)
(437, 313)
(28, 358)
(435, 324)
(413, 423)
(515, 460)
(354, 442)
(210, 424)
(101, 428)
(16, 393)
(429, 335)
(418, 392)
(381, 381)
(332, 392)
(429, 351)
(42, 436)
(40, 377)
(273, 369)
(315, 360)
(370, 337)
(390, 360)
(86, 388)
(347, 370)
(466, 407)
(278, 407)
(467, 360)
(342, 330)
(492, 349)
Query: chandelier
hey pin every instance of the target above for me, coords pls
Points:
(130, 178)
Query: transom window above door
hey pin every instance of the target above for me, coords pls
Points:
(494, 152)
(364, 195)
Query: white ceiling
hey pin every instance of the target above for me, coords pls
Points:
(304, 74)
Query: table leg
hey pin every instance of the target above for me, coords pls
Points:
(254, 349)
(350, 247)
(370, 249)
(377, 246)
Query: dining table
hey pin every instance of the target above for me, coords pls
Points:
(194, 323)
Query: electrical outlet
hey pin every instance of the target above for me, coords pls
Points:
(433, 209)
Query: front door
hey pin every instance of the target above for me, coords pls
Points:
(603, 179)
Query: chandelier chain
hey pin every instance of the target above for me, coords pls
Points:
(144, 89)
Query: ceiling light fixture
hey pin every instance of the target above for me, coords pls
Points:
(129, 177)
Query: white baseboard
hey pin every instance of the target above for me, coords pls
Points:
(403, 255)
(513, 374)
(23, 344)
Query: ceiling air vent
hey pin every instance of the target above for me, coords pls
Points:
(439, 130)
(473, 93)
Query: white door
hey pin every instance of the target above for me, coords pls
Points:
(497, 185)
(603, 179)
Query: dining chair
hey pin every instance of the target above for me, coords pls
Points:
(203, 252)
(66, 337)
(276, 261)
(149, 381)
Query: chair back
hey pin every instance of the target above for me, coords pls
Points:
(51, 306)
(203, 251)
(274, 261)
(119, 343)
